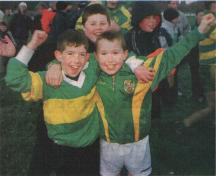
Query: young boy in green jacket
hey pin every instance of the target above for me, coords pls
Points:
(70, 112)
(126, 110)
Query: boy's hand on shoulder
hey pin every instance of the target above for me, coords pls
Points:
(54, 75)
(207, 22)
(37, 39)
(143, 74)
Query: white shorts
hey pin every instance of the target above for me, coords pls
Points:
(135, 157)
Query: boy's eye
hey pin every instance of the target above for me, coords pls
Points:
(70, 53)
(92, 24)
(103, 53)
(83, 54)
(115, 52)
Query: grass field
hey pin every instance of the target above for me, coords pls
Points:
(172, 154)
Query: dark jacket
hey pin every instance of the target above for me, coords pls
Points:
(59, 25)
(20, 26)
(138, 41)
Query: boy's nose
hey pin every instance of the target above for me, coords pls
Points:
(110, 58)
(76, 58)
(98, 27)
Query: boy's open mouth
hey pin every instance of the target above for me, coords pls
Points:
(110, 66)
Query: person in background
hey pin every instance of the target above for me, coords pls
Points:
(60, 22)
(207, 47)
(210, 6)
(207, 56)
(183, 28)
(183, 23)
(182, 127)
(7, 47)
(120, 16)
(1, 15)
(37, 17)
(143, 39)
(74, 12)
(44, 18)
(8, 15)
(169, 24)
(21, 25)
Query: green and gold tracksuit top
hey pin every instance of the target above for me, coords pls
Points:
(207, 49)
(122, 17)
(70, 112)
(126, 110)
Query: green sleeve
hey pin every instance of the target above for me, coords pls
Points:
(173, 55)
(18, 77)
(93, 65)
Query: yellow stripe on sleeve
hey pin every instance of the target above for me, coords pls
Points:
(139, 95)
(36, 92)
(102, 114)
(208, 55)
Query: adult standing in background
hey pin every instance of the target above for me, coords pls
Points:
(183, 23)
(21, 25)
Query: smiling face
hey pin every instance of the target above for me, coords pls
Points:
(110, 55)
(149, 23)
(73, 59)
(96, 24)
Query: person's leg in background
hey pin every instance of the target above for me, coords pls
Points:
(193, 61)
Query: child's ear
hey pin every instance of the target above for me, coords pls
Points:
(125, 54)
(58, 55)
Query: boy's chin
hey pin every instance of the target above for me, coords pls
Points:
(111, 73)
(72, 75)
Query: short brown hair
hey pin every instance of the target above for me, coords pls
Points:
(94, 9)
(71, 37)
(111, 36)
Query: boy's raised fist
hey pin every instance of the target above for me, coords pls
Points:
(207, 22)
(37, 39)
